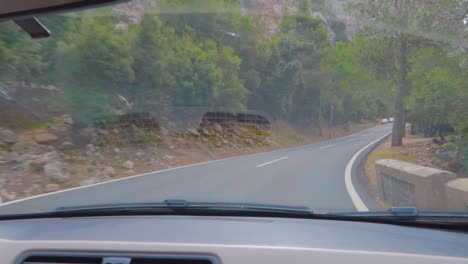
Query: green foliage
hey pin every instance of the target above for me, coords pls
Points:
(220, 57)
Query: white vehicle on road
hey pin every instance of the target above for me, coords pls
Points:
(384, 121)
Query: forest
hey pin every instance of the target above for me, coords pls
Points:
(407, 61)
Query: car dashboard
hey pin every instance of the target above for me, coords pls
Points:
(226, 240)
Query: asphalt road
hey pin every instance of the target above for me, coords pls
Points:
(311, 175)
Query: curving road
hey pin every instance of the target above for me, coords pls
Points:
(311, 175)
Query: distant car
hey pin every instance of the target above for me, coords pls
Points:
(391, 119)
(384, 121)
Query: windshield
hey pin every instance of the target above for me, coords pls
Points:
(336, 106)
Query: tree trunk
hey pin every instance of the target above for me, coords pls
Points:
(291, 104)
(320, 116)
(399, 124)
(330, 121)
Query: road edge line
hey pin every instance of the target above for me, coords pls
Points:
(353, 194)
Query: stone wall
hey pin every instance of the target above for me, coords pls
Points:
(406, 184)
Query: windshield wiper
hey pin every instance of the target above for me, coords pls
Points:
(173, 207)
(408, 215)
(405, 216)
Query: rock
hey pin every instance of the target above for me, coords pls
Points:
(172, 147)
(116, 150)
(168, 157)
(108, 171)
(7, 136)
(140, 154)
(39, 162)
(90, 147)
(52, 187)
(12, 156)
(204, 139)
(218, 127)
(67, 145)
(89, 181)
(31, 147)
(85, 136)
(224, 141)
(54, 171)
(45, 138)
(205, 132)
(218, 144)
(128, 164)
(164, 132)
(25, 157)
(193, 132)
(7, 196)
(67, 119)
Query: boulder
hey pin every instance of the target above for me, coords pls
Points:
(108, 171)
(54, 172)
(85, 136)
(218, 127)
(128, 164)
(67, 145)
(7, 136)
(25, 157)
(7, 196)
(205, 132)
(168, 157)
(164, 132)
(45, 138)
(193, 132)
(12, 156)
(22, 147)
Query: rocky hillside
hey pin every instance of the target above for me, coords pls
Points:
(339, 23)
(61, 154)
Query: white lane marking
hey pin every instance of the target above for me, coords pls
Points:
(270, 162)
(328, 146)
(364, 135)
(357, 201)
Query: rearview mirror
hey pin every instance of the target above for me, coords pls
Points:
(19, 9)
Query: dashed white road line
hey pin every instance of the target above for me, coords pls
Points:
(328, 146)
(357, 201)
(270, 162)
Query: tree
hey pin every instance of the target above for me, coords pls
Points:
(98, 53)
(20, 56)
(152, 52)
(436, 80)
(410, 23)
